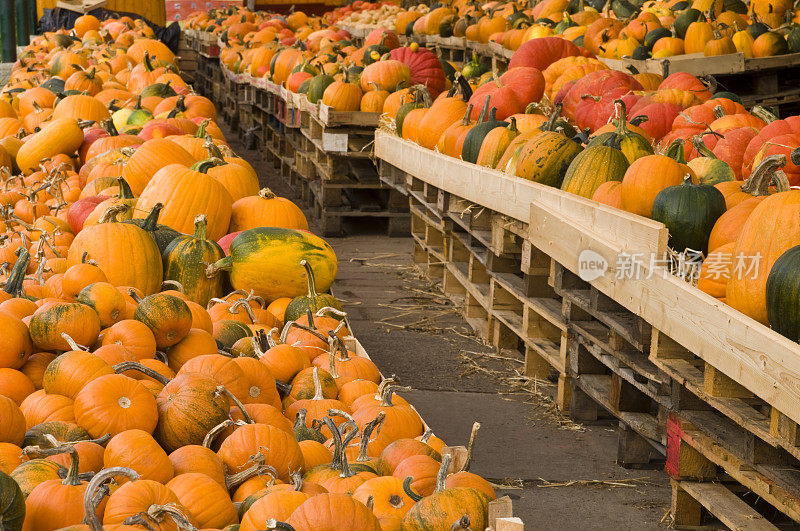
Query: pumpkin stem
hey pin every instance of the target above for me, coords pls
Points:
(371, 426)
(763, 113)
(318, 394)
(550, 124)
(465, 121)
(441, 477)
(214, 432)
(475, 427)
(201, 130)
(513, 125)
(484, 110)
(265, 340)
(675, 151)
(407, 489)
(108, 125)
(763, 175)
(297, 480)
(332, 356)
(461, 523)
(14, 285)
(204, 165)
(72, 344)
(336, 344)
(266, 193)
(302, 432)
(339, 449)
(111, 213)
(221, 389)
(72, 475)
(277, 524)
(224, 264)
(134, 295)
(702, 149)
(389, 390)
(157, 514)
(243, 303)
(213, 150)
(257, 469)
(312, 283)
(370, 502)
(200, 224)
(96, 491)
(147, 371)
(150, 223)
(173, 284)
(303, 327)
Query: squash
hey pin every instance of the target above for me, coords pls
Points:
(495, 144)
(689, 212)
(592, 167)
(475, 136)
(312, 301)
(632, 144)
(185, 262)
(267, 260)
(59, 136)
(546, 157)
(12, 503)
(782, 297)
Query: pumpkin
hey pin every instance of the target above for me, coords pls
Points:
(689, 212)
(149, 158)
(331, 512)
(768, 232)
(185, 194)
(266, 210)
(115, 247)
(168, 317)
(115, 403)
(495, 144)
(644, 179)
(768, 44)
(185, 262)
(592, 167)
(541, 53)
(424, 66)
(343, 95)
(77, 320)
(105, 299)
(546, 157)
(12, 503)
(632, 144)
(386, 74)
(58, 136)
(267, 260)
(510, 93)
(474, 137)
(206, 501)
(729, 225)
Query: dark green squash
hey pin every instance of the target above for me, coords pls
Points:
(185, 261)
(317, 87)
(12, 504)
(728, 95)
(737, 6)
(783, 294)
(684, 19)
(632, 144)
(652, 36)
(311, 301)
(793, 40)
(379, 48)
(475, 136)
(474, 68)
(640, 53)
(689, 212)
(756, 28)
(592, 167)
(162, 234)
(623, 9)
(54, 84)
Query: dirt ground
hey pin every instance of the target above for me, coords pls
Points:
(560, 475)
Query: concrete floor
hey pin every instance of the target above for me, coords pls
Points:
(411, 330)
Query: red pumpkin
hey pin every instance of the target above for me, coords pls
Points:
(541, 53)
(426, 69)
(511, 93)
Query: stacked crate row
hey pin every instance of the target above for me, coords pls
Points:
(693, 385)
(325, 155)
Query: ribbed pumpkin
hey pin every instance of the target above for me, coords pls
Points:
(185, 262)
(81, 107)
(342, 95)
(59, 136)
(729, 225)
(689, 212)
(592, 167)
(645, 178)
(187, 193)
(266, 210)
(127, 254)
(149, 158)
(445, 111)
(267, 260)
(386, 74)
(772, 229)
(546, 157)
(716, 271)
(495, 144)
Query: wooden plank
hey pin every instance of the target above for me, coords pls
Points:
(749, 353)
(512, 196)
(726, 506)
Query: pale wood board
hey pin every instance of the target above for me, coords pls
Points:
(726, 506)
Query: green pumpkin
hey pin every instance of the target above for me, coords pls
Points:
(630, 143)
(421, 100)
(185, 261)
(592, 167)
(162, 234)
(317, 87)
(379, 48)
(654, 35)
(546, 158)
(475, 136)
(304, 86)
(474, 68)
(783, 294)
(684, 19)
(728, 95)
(312, 301)
(689, 212)
(757, 28)
(565, 23)
(737, 6)
(227, 332)
(12, 504)
(62, 431)
(446, 26)
(31, 473)
(443, 508)
(708, 168)
(267, 261)
(162, 90)
(793, 40)
(623, 8)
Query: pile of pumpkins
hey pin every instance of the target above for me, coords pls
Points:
(713, 172)
(641, 30)
(171, 357)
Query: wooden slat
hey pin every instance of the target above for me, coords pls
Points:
(726, 506)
